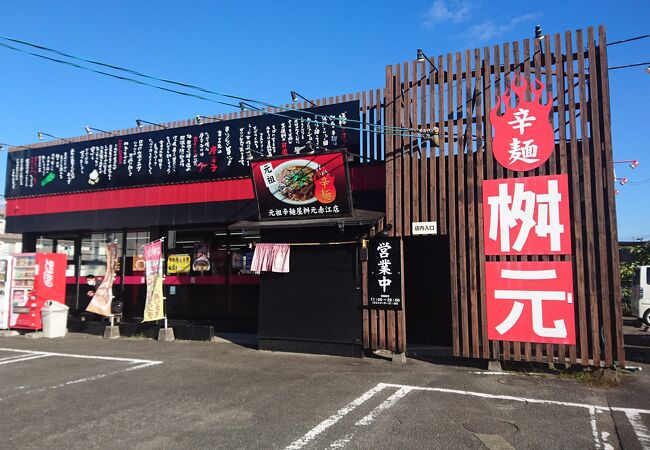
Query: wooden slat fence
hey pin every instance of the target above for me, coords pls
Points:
(444, 184)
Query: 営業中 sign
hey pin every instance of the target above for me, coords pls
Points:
(385, 273)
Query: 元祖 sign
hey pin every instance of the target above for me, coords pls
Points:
(527, 216)
(523, 135)
(302, 187)
(385, 273)
(530, 302)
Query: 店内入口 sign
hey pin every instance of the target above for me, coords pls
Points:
(215, 150)
(302, 187)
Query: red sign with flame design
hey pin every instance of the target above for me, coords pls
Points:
(523, 135)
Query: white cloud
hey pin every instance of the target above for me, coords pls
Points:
(489, 30)
(454, 11)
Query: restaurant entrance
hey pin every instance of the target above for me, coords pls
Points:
(427, 290)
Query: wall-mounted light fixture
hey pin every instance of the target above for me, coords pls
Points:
(295, 96)
(243, 106)
(40, 135)
(89, 131)
(421, 57)
(140, 122)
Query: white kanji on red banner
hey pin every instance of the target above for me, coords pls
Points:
(530, 302)
(527, 216)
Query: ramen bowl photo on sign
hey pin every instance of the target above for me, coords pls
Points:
(295, 182)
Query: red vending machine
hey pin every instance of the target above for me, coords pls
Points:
(36, 278)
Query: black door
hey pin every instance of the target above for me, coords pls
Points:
(316, 307)
(427, 290)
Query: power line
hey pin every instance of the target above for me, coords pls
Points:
(168, 81)
(630, 65)
(200, 97)
(622, 41)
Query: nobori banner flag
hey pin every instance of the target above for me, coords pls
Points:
(302, 187)
(103, 297)
(385, 273)
(153, 308)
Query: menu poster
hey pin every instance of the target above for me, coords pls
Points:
(211, 151)
(201, 257)
(302, 187)
(103, 297)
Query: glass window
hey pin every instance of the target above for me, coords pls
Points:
(44, 245)
(135, 240)
(93, 252)
(66, 247)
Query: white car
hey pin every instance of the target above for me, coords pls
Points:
(641, 294)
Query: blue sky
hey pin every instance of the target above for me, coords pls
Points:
(263, 50)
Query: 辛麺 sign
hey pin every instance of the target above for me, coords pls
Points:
(523, 135)
(418, 228)
(385, 273)
(211, 151)
(302, 187)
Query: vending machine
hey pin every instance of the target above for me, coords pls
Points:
(36, 278)
(5, 282)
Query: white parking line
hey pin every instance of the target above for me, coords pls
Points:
(16, 359)
(633, 414)
(25, 355)
(73, 355)
(325, 424)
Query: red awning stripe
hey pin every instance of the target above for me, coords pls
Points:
(174, 194)
(362, 179)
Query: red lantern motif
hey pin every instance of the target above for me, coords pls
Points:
(523, 135)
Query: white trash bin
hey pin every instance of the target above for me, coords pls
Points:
(55, 319)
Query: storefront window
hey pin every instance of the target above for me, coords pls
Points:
(93, 252)
(44, 245)
(135, 240)
(212, 252)
(66, 247)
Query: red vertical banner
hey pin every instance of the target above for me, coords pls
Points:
(530, 302)
(527, 216)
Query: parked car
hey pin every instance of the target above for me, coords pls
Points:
(641, 294)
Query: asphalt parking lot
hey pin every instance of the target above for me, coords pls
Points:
(85, 392)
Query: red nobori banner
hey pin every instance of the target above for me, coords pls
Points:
(523, 135)
(530, 302)
(527, 216)
(302, 187)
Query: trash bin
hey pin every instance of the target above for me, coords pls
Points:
(55, 319)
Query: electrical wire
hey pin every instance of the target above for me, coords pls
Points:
(629, 65)
(622, 41)
(173, 82)
(200, 97)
